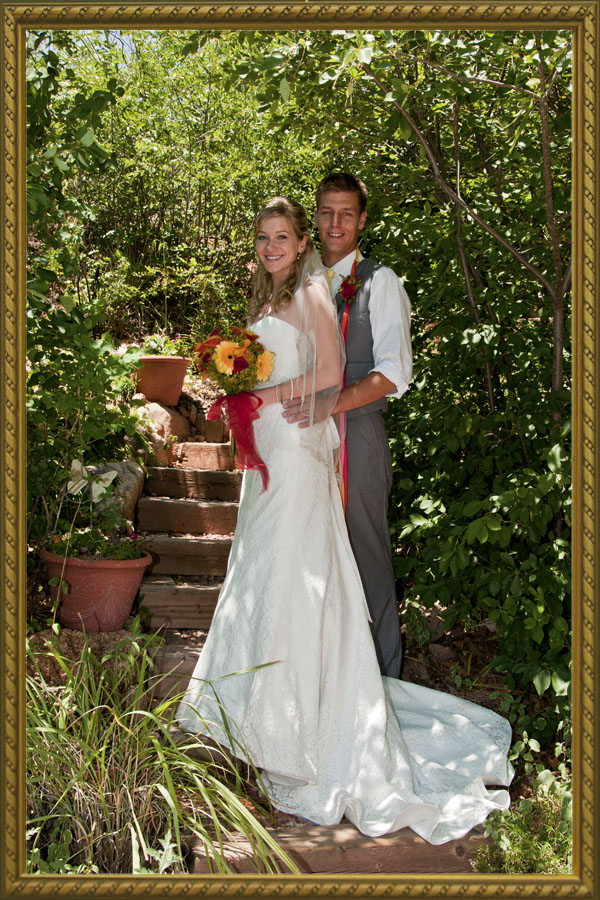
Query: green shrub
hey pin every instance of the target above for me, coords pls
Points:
(536, 836)
(480, 518)
(74, 405)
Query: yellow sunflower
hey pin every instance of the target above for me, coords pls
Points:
(224, 356)
(264, 365)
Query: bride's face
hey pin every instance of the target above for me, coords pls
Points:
(277, 247)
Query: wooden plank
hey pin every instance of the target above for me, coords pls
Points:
(199, 484)
(174, 605)
(205, 456)
(187, 555)
(186, 516)
(343, 850)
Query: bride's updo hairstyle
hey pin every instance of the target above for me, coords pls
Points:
(262, 282)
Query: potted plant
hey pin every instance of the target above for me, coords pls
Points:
(164, 365)
(96, 563)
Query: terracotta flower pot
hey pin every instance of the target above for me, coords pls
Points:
(101, 591)
(161, 378)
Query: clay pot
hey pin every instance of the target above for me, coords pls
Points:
(161, 378)
(101, 591)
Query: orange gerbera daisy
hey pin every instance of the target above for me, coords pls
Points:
(224, 356)
(264, 365)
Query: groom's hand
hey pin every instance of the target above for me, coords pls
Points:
(296, 413)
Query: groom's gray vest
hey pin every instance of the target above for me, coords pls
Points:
(359, 343)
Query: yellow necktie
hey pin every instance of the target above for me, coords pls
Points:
(330, 275)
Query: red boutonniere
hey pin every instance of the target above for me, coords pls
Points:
(350, 284)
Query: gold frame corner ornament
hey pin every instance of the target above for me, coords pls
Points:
(582, 17)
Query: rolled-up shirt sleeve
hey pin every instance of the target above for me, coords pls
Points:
(389, 312)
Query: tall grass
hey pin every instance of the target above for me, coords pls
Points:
(111, 788)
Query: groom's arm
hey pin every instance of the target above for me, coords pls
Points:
(372, 387)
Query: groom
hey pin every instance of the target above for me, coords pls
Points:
(378, 365)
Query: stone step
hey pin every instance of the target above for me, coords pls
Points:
(179, 605)
(203, 455)
(343, 850)
(198, 484)
(188, 554)
(186, 516)
(174, 662)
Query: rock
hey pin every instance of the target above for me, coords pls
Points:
(457, 632)
(167, 421)
(435, 623)
(415, 671)
(129, 484)
(441, 654)
(193, 413)
(158, 452)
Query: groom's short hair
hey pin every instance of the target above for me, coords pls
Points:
(343, 181)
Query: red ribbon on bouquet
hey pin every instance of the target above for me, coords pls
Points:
(242, 410)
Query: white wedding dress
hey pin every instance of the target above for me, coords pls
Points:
(331, 736)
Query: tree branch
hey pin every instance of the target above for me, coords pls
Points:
(463, 261)
(453, 75)
(558, 322)
(452, 194)
(550, 217)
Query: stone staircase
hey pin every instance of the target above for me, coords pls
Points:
(188, 512)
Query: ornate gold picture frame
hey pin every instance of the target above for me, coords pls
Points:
(583, 19)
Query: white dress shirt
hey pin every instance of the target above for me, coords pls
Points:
(389, 312)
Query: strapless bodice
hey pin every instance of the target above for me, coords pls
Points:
(290, 346)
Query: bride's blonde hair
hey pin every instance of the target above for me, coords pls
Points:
(262, 282)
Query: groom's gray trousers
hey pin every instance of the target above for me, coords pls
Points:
(369, 483)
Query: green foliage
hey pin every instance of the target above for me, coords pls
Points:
(192, 160)
(97, 528)
(74, 404)
(464, 142)
(161, 344)
(109, 788)
(535, 837)
(97, 543)
(481, 519)
(58, 856)
(74, 407)
(61, 143)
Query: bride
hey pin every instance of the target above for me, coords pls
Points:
(288, 677)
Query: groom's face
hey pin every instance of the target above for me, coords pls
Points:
(339, 222)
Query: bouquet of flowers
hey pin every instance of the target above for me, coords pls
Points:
(235, 359)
